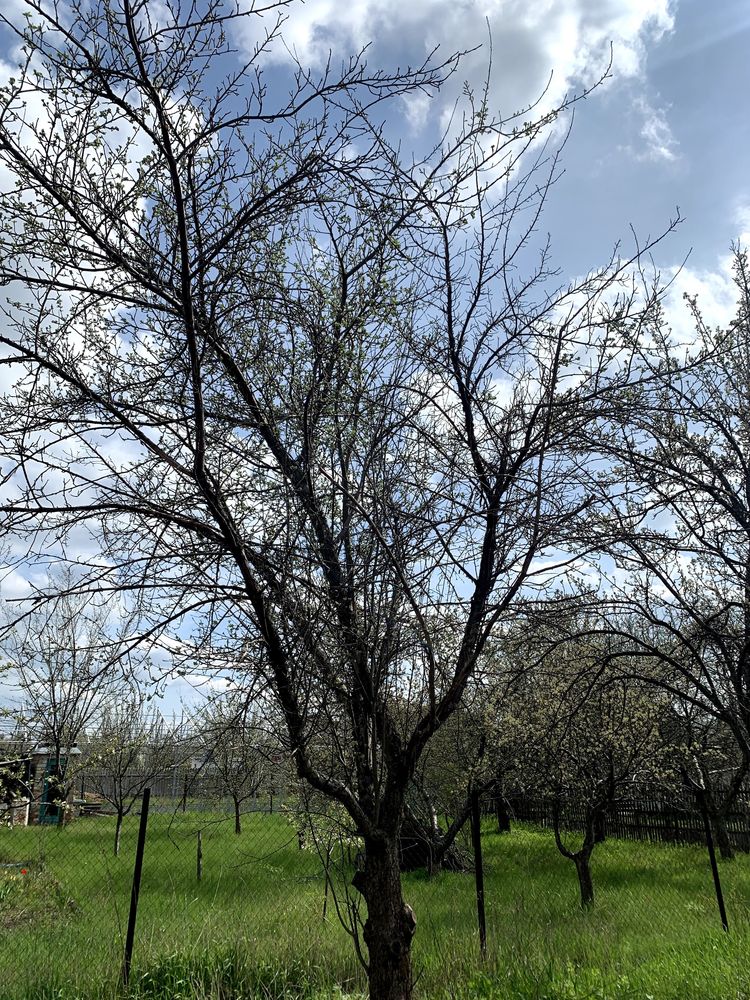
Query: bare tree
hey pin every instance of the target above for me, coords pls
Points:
(234, 736)
(61, 663)
(294, 382)
(129, 747)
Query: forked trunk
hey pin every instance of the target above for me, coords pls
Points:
(583, 868)
(422, 847)
(390, 923)
(581, 859)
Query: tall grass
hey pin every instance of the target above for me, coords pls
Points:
(253, 926)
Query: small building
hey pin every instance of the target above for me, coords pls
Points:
(45, 807)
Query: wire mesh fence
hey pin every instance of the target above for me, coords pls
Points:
(265, 887)
(210, 877)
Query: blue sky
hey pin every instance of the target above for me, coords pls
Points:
(669, 128)
(623, 167)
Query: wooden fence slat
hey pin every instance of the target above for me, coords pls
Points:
(648, 819)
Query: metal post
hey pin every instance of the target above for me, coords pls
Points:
(200, 856)
(476, 839)
(712, 857)
(136, 887)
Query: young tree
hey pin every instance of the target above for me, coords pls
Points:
(130, 746)
(295, 381)
(61, 664)
(708, 764)
(593, 737)
(234, 737)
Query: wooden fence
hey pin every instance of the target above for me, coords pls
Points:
(643, 819)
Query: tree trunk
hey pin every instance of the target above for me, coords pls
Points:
(583, 868)
(600, 827)
(118, 831)
(390, 923)
(420, 848)
(713, 813)
(582, 858)
(502, 814)
(721, 836)
(237, 823)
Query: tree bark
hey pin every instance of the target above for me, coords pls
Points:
(715, 804)
(582, 858)
(237, 822)
(422, 848)
(583, 868)
(721, 836)
(600, 828)
(502, 814)
(118, 831)
(390, 923)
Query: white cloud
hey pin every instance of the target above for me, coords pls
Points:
(659, 142)
(716, 294)
(570, 38)
(13, 585)
(714, 288)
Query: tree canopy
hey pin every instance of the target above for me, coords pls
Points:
(319, 402)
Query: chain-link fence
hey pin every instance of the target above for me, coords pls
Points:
(262, 897)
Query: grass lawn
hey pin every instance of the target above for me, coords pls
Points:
(253, 926)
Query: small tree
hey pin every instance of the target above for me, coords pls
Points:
(708, 764)
(323, 826)
(238, 748)
(63, 660)
(130, 746)
(592, 738)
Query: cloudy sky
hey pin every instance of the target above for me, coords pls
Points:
(669, 128)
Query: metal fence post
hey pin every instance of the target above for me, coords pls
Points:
(700, 795)
(476, 839)
(136, 887)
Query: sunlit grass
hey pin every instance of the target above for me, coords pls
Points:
(253, 926)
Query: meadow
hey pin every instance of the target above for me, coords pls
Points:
(253, 926)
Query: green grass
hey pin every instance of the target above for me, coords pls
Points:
(253, 926)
